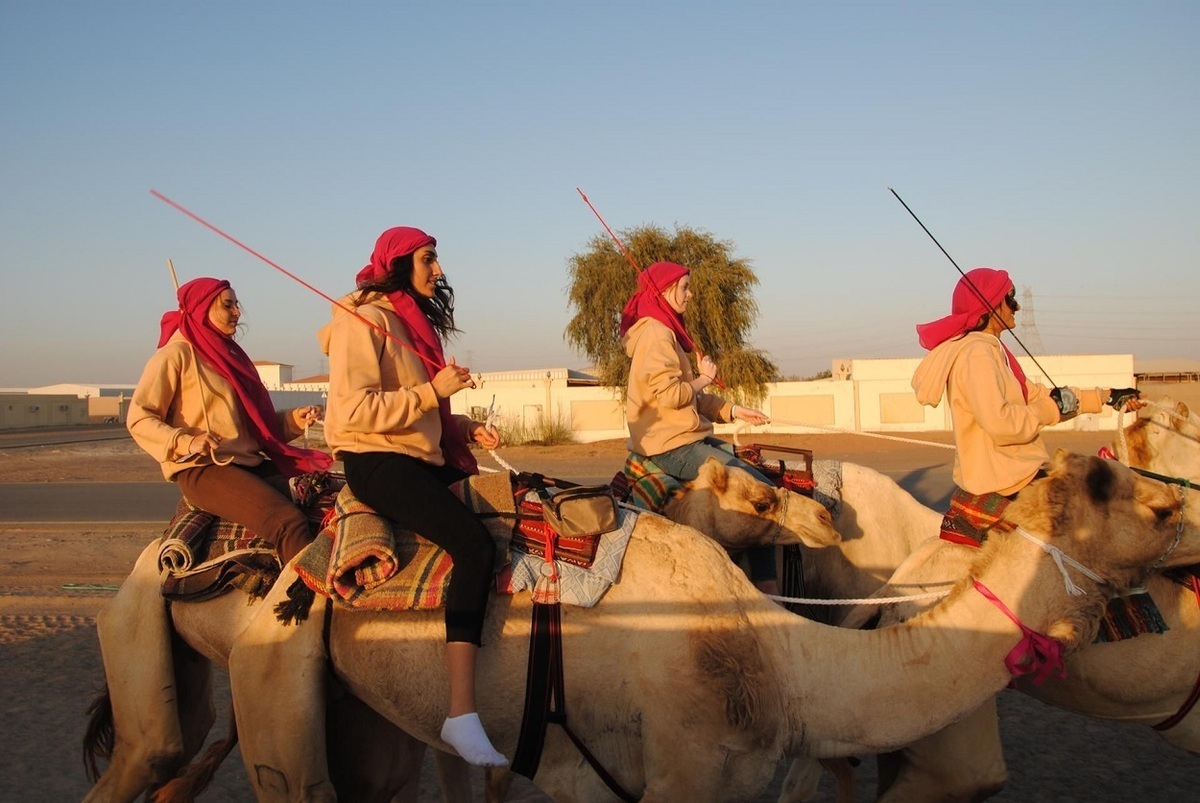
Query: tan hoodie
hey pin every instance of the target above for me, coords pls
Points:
(380, 395)
(180, 396)
(996, 431)
(662, 410)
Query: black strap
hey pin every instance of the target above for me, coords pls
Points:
(538, 689)
(545, 701)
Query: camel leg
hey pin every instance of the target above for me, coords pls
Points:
(498, 781)
(277, 674)
(150, 740)
(370, 759)
(801, 782)
(454, 776)
(804, 778)
(962, 762)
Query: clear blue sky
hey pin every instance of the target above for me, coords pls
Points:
(1056, 140)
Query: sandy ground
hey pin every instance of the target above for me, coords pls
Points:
(54, 578)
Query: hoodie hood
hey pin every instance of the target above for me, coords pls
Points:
(340, 309)
(929, 380)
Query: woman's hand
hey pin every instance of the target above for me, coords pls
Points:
(485, 436)
(749, 415)
(708, 374)
(1129, 398)
(451, 380)
(204, 443)
(304, 417)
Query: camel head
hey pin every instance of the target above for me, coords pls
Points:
(737, 511)
(1109, 518)
(1105, 517)
(1167, 442)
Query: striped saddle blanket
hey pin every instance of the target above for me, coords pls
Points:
(361, 561)
(204, 556)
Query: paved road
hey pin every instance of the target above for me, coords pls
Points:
(54, 436)
(88, 501)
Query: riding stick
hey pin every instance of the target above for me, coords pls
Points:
(971, 284)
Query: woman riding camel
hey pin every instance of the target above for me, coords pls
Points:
(998, 413)
(670, 415)
(201, 410)
(389, 422)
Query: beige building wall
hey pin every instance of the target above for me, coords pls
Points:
(877, 396)
(20, 411)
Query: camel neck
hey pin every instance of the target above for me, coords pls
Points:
(850, 691)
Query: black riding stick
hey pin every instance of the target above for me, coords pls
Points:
(971, 284)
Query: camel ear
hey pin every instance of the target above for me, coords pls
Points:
(1184, 414)
(1059, 462)
(714, 474)
(1101, 480)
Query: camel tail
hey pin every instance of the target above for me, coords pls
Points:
(195, 777)
(99, 736)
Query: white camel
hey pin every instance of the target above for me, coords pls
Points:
(688, 684)
(158, 709)
(1144, 680)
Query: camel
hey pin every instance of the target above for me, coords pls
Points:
(157, 733)
(683, 646)
(1142, 680)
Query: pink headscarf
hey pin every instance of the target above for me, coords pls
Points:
(966, 308)
(226, 357)
(397, 242)
(648, 301)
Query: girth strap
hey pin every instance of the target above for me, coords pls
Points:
(545, 701)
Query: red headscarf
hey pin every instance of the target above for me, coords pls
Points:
(226, 357)
(967, 307)
(397, 242)
(648, 301)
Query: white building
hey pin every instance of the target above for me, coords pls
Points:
(870, 396)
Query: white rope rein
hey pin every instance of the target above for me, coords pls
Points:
(1061, 558)
(742, 424)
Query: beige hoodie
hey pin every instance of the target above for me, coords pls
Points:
(996, 431)
(662, 410)
(180, 396)
(380, 395)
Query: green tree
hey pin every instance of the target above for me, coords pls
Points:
(720, 317)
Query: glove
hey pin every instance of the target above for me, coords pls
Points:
(1068, 403)
(1117, 397)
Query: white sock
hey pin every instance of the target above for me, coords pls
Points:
(466, 735)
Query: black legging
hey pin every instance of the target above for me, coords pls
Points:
(414, 495)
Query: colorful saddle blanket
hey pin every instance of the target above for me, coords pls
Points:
(972, 516)
(649, 487)
(204, 556)
(359, 560)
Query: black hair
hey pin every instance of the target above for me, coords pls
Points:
(439, 309)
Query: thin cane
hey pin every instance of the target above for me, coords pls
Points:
(657, 292)
(971, 284)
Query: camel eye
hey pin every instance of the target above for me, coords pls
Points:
(1164, 513)
(762, 507)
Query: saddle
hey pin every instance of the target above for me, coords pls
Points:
(204, 556)
(568, 523)
(360, 560)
